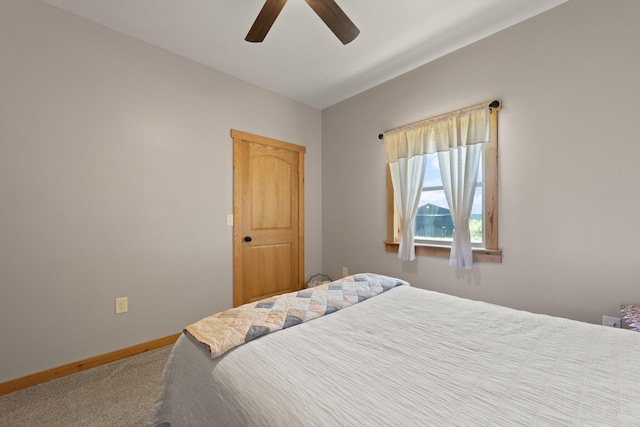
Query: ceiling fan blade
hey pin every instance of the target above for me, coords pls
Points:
(336, 19)
(265, 20)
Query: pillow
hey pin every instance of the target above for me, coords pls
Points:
(631, 316)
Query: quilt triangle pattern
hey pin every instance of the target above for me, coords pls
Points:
(226, 330)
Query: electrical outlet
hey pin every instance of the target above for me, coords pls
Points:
(122, 305)
(345, 271)
(612, 322)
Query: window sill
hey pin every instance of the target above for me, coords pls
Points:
(479, 254)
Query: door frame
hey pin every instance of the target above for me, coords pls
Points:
(238, 204)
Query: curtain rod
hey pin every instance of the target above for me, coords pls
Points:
(493, 104)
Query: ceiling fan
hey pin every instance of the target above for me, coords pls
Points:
(327, 10)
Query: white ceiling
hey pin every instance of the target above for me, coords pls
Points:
(300, 57)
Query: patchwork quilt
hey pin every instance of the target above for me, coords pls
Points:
(223, 331)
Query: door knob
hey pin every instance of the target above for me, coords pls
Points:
(247, 238)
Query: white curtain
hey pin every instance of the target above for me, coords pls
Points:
(407, 175)
(456, 137)
(459, 173)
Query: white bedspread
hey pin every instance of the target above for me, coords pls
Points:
(411, 357)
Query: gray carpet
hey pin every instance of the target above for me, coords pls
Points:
(119, 394)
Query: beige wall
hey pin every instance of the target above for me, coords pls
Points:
(115, 180)
(569, 174)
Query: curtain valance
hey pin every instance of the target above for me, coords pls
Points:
(457, 129)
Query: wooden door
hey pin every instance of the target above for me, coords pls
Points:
(268, 208)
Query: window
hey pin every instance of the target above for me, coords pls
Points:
(434, 224)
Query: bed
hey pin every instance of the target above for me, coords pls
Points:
(408, 357)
